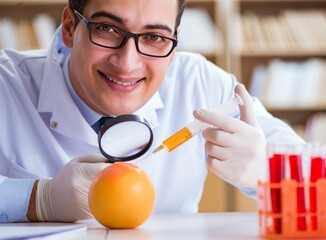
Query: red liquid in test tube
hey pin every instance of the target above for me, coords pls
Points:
(317, 171)
(277, 174)
(295, 161)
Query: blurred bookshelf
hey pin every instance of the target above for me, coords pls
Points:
(278, 51)
(29, 24)
(277, 48)
(202, 29)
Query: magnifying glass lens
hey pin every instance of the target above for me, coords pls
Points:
(125, 138)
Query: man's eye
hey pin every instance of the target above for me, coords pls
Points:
(105, 28)
(154, 38)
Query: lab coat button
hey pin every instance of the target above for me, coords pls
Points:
(54, 124)
(3, 217)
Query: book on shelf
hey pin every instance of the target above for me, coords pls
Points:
(24, 34)
(252, 31)
(7, 32)
(290, 30)
(315, 130)
(44, 27)
(198, 32)
(286, 84)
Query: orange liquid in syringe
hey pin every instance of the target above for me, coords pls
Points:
(177, 139)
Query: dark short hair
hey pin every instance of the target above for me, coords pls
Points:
(79, 5)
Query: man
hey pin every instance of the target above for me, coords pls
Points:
(113, 57)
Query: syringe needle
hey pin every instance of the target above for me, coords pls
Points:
(159, 148)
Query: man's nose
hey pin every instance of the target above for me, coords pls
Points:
(127, 58)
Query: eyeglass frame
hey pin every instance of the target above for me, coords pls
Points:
(135, 36)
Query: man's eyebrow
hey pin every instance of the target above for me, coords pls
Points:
(120, 20)
(158, 26)
(108, 15)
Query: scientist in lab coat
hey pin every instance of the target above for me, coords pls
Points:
(110, 58)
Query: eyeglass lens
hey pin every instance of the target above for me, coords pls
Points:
(113, 37)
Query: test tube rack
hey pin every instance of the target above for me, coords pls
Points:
(288, 218)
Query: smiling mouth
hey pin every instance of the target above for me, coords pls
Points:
(117, 81)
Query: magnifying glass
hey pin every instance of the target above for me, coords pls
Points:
(125, 138)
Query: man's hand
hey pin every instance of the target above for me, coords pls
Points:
(65, 197)
(236, 148)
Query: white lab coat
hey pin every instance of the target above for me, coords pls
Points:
(41, 128)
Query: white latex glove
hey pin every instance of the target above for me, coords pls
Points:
(65, 197)
(236, 148)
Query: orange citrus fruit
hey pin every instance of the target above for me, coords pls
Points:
(121, 196)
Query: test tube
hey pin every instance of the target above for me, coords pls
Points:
(197, 126)
(295, 163)
(317, 168)
(276, 158)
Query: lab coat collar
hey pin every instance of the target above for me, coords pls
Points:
(55, 98)
(52, 75)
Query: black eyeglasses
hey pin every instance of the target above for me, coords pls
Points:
(110, 36)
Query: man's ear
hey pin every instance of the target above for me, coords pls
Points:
(172, 54)
(178, 31)
(68, 26)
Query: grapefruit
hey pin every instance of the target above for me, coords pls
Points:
(121, 196)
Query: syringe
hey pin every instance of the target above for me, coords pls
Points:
(197, 126)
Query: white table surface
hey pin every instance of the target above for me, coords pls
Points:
(201, 226)
(226, 225)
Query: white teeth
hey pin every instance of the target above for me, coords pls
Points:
(119, 82)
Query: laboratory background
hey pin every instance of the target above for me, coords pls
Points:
(277, 48)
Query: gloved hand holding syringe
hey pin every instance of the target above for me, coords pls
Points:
(197, 126)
